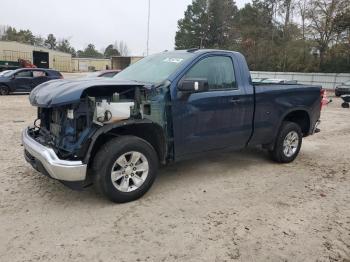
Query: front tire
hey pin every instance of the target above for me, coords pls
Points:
(288, 143)
(4, 90)
(125, 168)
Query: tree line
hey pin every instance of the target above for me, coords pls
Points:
(27, 37)
(274, 35)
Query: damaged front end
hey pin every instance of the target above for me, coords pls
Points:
(64, 128)
(70, 127)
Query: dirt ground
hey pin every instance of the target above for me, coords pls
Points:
(227, 207)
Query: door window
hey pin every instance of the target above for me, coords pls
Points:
(24, 74)
(218, 70)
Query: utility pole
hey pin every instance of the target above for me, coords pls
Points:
(149, 18)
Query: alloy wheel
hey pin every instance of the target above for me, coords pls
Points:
(129, 171)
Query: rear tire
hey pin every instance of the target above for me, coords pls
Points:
(288, 143)
(4, 90)
(117, 174)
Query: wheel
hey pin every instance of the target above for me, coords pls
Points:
(125, 168)
(288, 143)
(4, 91)
(345, 105)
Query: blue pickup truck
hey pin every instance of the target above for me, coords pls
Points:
(115, 133)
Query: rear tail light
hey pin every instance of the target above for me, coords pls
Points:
(324, 98)
(61, 76)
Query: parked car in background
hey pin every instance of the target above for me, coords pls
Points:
(24, 80)
(278, 81)
(342, 89)
(104, 73)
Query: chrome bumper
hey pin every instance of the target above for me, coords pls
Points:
(56, 168)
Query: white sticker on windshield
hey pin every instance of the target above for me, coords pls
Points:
(173, 60)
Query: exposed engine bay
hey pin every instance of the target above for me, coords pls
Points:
(66, 128)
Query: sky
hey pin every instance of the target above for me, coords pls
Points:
(101, 22)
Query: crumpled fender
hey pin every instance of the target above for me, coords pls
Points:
(108, 128)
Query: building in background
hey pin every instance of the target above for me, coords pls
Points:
(90, 64)
(11, 51)
(121, 62)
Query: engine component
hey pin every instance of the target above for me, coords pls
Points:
(110, 112)
(70, 114)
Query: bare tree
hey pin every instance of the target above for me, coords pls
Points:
(3, 29)
(321, 15)
(287, 6)
(301, 5)
(122, 48)
(301, 10)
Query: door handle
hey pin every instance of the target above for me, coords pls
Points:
(235, 100)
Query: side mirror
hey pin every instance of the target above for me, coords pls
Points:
(13, 77)
(194, 85)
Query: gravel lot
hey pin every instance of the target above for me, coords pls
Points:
(237, 206)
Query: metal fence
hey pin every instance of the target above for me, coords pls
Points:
(326, 80)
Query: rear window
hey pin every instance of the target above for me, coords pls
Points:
(54, 73)
(109, 74)
(39, 73)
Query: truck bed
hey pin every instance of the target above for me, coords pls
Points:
(274, 101)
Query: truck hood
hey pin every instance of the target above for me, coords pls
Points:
(62, 92)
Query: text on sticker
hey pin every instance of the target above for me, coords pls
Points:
(173, 60)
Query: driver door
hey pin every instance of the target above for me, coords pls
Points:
(213, 119)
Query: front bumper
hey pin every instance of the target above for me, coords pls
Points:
(46, 161)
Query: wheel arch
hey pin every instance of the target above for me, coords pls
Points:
(301, 117)
(144, 129)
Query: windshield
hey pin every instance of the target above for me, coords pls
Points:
(155, 68)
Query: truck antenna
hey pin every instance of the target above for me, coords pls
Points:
(148, 23)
